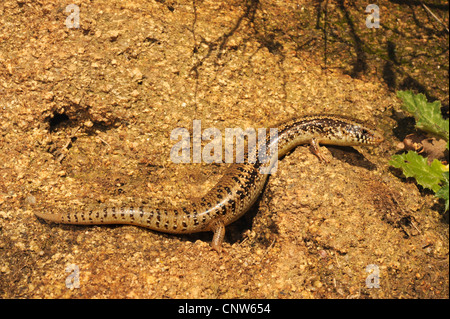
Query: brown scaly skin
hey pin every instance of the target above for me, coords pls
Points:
(236, 191)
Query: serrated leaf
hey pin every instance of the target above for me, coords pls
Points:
(443, 192)
(427, 114)
(414, 165)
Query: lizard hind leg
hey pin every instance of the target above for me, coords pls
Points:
(316, 151)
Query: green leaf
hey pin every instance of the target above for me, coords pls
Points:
(443, 192)
(414, 165)
(428, 118)
(427, 114)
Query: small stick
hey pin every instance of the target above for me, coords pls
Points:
(434, 16)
